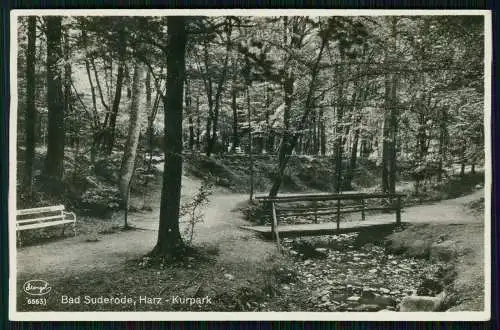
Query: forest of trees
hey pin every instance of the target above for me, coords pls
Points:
(404, 91)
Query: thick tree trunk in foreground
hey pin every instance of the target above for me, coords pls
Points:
(30, 115)
(54, 166)
(169, 242)
(134, 129)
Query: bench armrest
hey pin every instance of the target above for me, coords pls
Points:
(72, 214)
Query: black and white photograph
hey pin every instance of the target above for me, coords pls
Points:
(250, 164)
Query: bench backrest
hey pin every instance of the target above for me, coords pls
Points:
(39, 214)
(38, 210)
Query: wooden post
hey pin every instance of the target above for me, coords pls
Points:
(315, 207)
(338, 213)
(275, 229)
(398, 210)
(363, 210)
(273, 213)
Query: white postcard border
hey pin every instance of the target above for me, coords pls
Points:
(14, 315)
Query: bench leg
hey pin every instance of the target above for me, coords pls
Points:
(74, 228)
(63, 229)
(19, 242)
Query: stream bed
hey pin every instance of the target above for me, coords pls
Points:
(336, 273)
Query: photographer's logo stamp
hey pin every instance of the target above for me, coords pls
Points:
(37, 287)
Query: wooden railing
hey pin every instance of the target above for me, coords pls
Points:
(313, 208)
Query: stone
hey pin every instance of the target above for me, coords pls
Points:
(320, 250)
(353, 298)
(429, 287)
(229, 276)
(371, 298)
(418, 248)
(192, 290)
(422, 303)
(385, 290)
(443, 251)
(367, 308)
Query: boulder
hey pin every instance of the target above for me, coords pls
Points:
(371, 298)
(418, 248)
(422, 303)
(367, 308)
(429, 287)
(443, 251)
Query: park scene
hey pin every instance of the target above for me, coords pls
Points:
(250, 163)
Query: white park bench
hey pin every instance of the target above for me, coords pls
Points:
(42, 217)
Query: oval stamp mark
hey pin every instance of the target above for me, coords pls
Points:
(36, 287)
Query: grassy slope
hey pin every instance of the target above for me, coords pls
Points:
(462, 246)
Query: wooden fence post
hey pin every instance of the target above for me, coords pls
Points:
(315, 207)
(338, 213)
(363, 210)
(274, 228)
(398, 210)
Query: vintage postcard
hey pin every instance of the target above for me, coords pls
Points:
(250, 165)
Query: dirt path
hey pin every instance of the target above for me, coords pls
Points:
(72, 256)
(451, 211)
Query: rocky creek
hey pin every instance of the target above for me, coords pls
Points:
(342, 273)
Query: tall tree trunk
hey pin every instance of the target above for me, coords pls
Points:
(134, 130)
(322, 132)
(68, 103)
(214, 103)
(339, 131)
(287, 145)
(54, 161)
(98, 133)
(169, 239)
(463, 159)
(208, 139)
(235, 140)
(443, 139)
(189, 112)
(394, 113)
(110, 130)
(390, 122)
(149, 111)
(353, 160)
(198, 123)
(385, 154)
(250, 141)
(394, 117)
(30, 114)
(270, 131)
